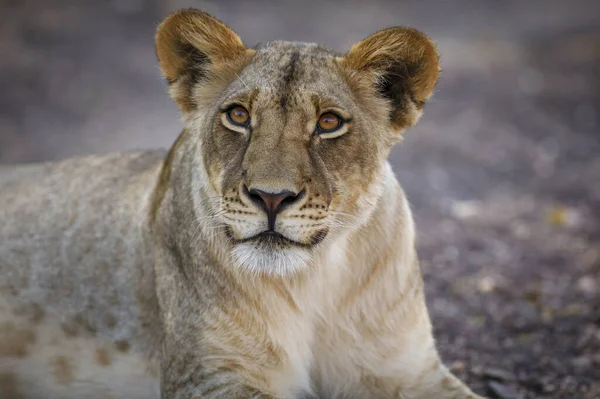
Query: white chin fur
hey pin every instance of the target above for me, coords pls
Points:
(258, 259)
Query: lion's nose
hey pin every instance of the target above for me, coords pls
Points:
(273, 203)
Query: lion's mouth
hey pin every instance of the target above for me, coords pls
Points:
(275, 240)
(272, 238)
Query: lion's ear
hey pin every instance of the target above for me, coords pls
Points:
(403, 64)
(193, 47)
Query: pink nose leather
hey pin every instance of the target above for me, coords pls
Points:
(271, 202)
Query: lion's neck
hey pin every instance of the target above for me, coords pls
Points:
(385, 245)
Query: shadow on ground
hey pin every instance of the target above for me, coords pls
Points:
(503, 171)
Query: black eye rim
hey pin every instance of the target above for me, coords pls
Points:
(341, 122)
(230, 120)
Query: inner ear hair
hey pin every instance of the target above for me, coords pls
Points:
(191, 60)
(402, 65)
(192, 47)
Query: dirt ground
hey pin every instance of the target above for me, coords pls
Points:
(503, 172)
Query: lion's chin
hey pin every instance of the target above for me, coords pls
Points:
(262, 257)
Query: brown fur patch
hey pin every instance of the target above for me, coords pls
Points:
(33, 312)
(77, 325)
(103, 357)
(9, 386)
(62, 369)
(14, 340)
(69, 329)
(122, 346)
(111, 321)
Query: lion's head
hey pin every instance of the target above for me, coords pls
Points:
(293, 137)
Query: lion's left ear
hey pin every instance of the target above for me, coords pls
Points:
(195, 49)
(403, 64)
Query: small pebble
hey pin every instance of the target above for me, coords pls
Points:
(486, 285)
(498, 374)
(466, 209)
(587, 285)
(497, 390)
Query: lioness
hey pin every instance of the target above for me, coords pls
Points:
(270, 254)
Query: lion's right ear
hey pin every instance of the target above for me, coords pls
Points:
(403, 65)
(193, 48)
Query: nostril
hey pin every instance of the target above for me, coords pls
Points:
(255, 196)
(290, 199)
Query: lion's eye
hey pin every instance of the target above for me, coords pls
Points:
(329, 122)
(238, 116)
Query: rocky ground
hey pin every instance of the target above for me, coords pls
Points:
(503, 171)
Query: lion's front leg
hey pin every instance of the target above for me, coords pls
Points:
(389, 352)
(415, 379)
(221, 384)
(416, 371)
(207, 370)
(396, 364)
(437, 382)
(209, 347)
(410, 366)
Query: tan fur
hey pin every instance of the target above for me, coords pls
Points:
(128, 274)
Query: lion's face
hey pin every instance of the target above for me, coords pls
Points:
(291, 154)
(293, 137)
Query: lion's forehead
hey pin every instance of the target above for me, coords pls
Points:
(301, 67)
(278, 53)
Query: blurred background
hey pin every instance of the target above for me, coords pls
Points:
(503, 171)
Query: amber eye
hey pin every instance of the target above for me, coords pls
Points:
(329, 122)
(238, 115)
